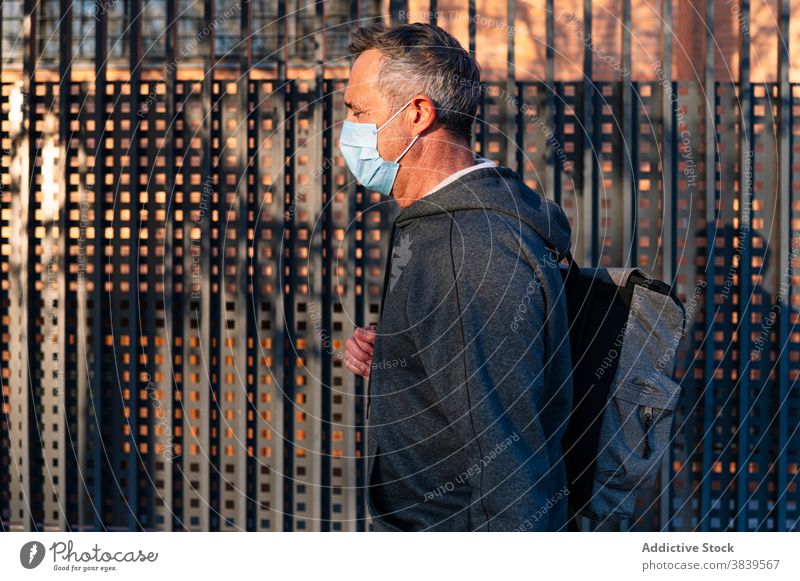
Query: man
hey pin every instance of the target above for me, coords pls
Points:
(469, 367)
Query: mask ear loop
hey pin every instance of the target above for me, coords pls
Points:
(400, 110)
(407, 148)
(391, 119)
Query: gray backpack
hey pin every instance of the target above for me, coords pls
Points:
(625, 329)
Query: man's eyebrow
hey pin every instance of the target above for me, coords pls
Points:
(350, 105)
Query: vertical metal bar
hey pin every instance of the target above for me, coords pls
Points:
(516, 158)
(398, 11)
(784, 249)
(590, 188)
(98, 314)
(323, 119)
(629, 241)
(258, 464)
(710, 223)
(205, 332)
(135, 8)
(746, 158)
(669, 111)
(216, 341)
(283, 45)
(5, 401)
(173, 514)
(217, 345)
(290, 300)
(17, 487)
(514, 97)
(83, 395)
(67, 401)
(483, 128)
(25, 285)
(472, 33)
(254, 349)
(285, 122)
(553, 175)
(670, 184)
(244, 319)
(357, 255)
(635, 165)
(145, 329)
(288, 280)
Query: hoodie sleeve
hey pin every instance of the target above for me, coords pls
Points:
(479, 322)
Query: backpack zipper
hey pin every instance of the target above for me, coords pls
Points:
(648, 418)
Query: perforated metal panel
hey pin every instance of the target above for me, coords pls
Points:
(184, 255)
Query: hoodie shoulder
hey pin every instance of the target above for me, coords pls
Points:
(498, 190)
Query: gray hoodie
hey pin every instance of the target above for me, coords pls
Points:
(470, 386)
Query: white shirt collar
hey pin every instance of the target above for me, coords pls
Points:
(480, 162)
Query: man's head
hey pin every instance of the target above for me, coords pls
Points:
(424, 67)
(421, 59)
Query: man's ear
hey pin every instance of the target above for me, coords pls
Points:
(423, 113)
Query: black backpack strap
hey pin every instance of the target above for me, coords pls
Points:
(574, 269)
(388, 268)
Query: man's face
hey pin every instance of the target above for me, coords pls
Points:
(366, 105)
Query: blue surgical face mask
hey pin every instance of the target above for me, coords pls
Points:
(359, 146)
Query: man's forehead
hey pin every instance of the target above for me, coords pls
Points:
(364, 77)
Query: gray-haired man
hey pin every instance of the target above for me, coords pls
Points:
(466, 434)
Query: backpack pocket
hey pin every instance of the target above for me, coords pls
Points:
(635, 432)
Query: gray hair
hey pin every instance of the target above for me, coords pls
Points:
(423, 58)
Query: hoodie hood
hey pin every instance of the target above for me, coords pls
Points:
(502, 190)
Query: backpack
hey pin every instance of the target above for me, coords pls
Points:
(624, 331)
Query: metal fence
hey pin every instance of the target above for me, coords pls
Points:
(184, 255)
